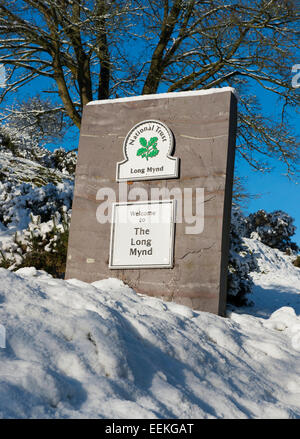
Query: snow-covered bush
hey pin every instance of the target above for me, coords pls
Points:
(35, 221)
(38, 118)
(36, 187)
(44, 245)
(241, 261)
(64, 161)
(273, 229)
(36, 192)
(22, 145)
(19, 202)
(296, 262)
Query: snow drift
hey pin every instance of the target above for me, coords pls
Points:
(78, 350)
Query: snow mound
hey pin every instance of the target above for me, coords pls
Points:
(271, 260)
(277, 283)
(78, 350)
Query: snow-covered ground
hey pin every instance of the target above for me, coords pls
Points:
(77, 350)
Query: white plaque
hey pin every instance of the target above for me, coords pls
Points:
(142, 235)
(147, 152)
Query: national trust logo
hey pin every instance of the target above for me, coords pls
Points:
(148, 153)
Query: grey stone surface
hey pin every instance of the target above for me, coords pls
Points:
(204, 128)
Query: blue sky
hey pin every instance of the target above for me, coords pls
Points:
(276, 191)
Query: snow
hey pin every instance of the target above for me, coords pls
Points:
(178, 94)
(278, 282)
(78, 350)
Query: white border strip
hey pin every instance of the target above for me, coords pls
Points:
(178, 94)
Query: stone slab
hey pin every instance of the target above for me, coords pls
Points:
(204, 128)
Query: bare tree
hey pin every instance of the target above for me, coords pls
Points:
(40, 119)
(96, 49)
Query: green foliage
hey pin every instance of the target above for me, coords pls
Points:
(5, 262)
(7, 143)
(149, 149)
(47, 251)
(143, 142)
(43, 250)
(274, 229)
(241, 262)
(64, 161)
(296, 262)
(53, 262)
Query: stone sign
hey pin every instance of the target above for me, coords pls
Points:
(152, 196)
